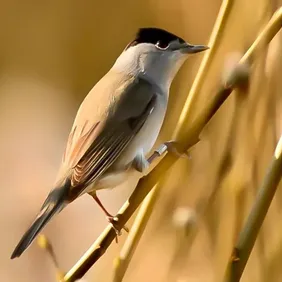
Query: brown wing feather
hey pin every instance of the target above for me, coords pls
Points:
(106, 148)
(98, 137)
(81, 143)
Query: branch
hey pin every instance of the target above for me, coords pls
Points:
(45, 244)
(259, 210)
(187, 137)
(203, 205)
(121, 263)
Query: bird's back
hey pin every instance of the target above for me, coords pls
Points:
(90, 119)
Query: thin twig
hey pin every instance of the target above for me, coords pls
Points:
(188, 136)
(259, 210)
(203, 206)
(214, 41)
(121, 263)
(146, 209)
(45, 244)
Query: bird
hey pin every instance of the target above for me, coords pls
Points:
(117, 123)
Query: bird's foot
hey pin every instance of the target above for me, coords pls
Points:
(172, 148)
(113, 220)
(140, 163)
(169, 146)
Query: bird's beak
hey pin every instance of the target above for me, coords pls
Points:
(187, 48)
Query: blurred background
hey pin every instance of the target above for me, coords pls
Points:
(52, 53)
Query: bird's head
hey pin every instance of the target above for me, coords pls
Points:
(156, 54)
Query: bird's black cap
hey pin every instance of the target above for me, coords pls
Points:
(154, 35)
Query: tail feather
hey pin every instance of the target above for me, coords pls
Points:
(53, 204)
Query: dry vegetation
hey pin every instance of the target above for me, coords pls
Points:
(194, 216)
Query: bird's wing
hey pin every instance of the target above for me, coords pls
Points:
(98, 138)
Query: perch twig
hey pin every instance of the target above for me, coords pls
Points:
(250, 231)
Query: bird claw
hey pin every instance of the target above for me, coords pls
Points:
(171, 147)
(113, 220)
(140, 163)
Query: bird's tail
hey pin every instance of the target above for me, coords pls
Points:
(54, 203)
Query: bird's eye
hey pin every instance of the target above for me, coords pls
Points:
(161, 44)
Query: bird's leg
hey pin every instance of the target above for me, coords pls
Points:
(112, 219)
(97, 200)
(169, 146)
(140, 163)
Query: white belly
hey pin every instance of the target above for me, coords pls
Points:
(143, 141)
(147, 136)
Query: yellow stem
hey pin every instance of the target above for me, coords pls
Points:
(207, 59)
(250, 231)
(121, 263)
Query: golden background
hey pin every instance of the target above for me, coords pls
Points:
(52, 53)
